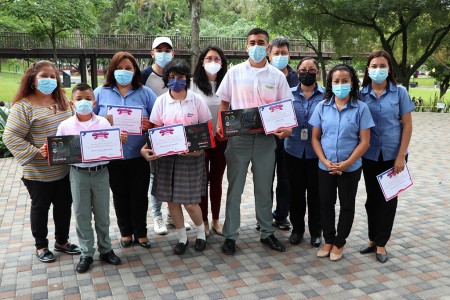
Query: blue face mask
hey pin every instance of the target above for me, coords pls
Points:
(123, 77)
(378, 75)
(176, 84)
(280, 62)
(84, 107)
(257, 53)
(46, 85)
(341, 90)
(162, 58)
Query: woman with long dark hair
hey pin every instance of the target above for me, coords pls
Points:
(209, 72)
(391, 109)
(340, 136)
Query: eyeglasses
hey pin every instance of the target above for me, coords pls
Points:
(210, 59)
(311, 71)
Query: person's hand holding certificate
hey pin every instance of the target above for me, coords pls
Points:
(127, 118)
(103, 144)
(277, 115)
(392, 184)
(168, 140)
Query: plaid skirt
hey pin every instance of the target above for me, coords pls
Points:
(180, 179)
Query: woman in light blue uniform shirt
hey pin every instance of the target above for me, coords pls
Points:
(128, 178)
(301, 161)
(391, 108)
(340, 136)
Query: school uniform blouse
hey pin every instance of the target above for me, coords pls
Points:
(304, 109)
(168, 111)
(340, 129)
(143, 97)
(387, 112)
(213, 101)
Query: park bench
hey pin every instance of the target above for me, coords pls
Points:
(413, 84)
(440, 107)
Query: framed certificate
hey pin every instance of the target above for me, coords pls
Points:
(63, 150)
(392, 185)
(200, 136)
(241, 121)
(278, 115)
(127, 118)
(103, 144)
(168, 140)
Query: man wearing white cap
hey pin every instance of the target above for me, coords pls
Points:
(162, 53)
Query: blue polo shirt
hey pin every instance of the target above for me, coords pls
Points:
(340, 129)
(387, 112)
(142, 97)
(304, 109)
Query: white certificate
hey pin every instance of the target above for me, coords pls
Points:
(392, 185)
(127, 118)
(168, 140)
(98, 145)
(278, 115)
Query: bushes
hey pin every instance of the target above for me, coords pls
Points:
(4, 152)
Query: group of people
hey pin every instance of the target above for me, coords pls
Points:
(342, 130)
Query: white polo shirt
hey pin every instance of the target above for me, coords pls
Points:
(168, 111)
(246, 87)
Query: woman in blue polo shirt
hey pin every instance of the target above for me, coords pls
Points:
(128, 178)
(301, 161)
(340, 136)
(391, 108)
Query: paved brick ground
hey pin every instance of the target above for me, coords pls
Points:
(419, 265)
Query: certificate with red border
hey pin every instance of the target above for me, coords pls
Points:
(99, 145)
(392, 185)
(127, 118)
(278, 115)
(168, 140)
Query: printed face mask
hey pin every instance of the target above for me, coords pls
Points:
(162, 58)
(257, 53)
(46, 85)
(212, 68)
(378, 75)
(123, 77)
(341, 90)
(280, 62)
(176, 84)
(83, 107)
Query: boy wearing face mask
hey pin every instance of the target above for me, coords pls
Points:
(89, 182)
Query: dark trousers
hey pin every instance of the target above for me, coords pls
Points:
(380, 213)
(129, 181)
(215, 164)
(304, 188)
(346, 186)
(42, 195)
(282, 190)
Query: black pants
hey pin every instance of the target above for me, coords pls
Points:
(129, 180)
(347, 186)
(282, 190)
(42, 195)
(304, 188)
(380, 213)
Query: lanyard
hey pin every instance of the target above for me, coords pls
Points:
(306, 112)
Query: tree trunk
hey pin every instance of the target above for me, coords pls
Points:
(443, 86)
(53, 39)
(195, 32)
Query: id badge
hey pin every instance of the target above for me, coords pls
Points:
(304, 134)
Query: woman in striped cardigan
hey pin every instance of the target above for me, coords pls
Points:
(38, 108)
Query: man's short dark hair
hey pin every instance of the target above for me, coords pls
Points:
(279, 42)
(256, 31)
(2, 103)
(82, 87)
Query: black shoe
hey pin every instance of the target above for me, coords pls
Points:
(282, 224)
(273, 243)
(111, 258)
(69, 249)
(46, 256)
(126, 244)
(365, 249)
(83, 265)
(145, 244)
(257, 226)
(382, 258)
(200, 245)
(295, 238)
(180, 248)
(229, 246)
(316, 241)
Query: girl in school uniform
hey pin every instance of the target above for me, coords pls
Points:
(180, 179)
(340, 136)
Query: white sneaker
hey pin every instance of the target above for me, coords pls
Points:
(169, 222)
(159, 226)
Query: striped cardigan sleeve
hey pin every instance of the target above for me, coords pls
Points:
(16, 132)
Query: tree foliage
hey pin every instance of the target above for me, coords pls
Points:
(439, 64)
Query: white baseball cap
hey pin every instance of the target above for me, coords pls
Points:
(161, 40)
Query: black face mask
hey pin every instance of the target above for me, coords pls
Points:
(307, 78)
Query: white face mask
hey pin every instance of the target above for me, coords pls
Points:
(212, 67)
